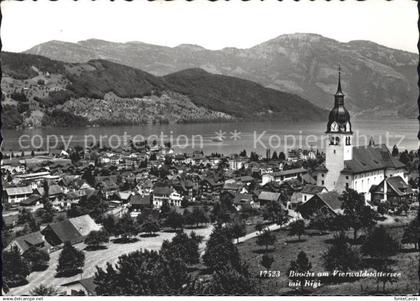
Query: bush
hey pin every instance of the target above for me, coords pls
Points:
(70, 262)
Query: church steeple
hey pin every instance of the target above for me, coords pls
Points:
(339, 95)
(339, 118)
(339, 91)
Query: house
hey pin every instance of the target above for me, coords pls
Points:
(32, 200)
(266, 196)
(13, 165)
(139, 202)
(326, 204)
(35, 176)
(284, 175)
(308, 191)
(234, 186)
(244, 200)
(211, 185)
(396, 191)
(15, 195)
(55, 192)
(25, 242)
(238, 163)
(73, 230)
(85, 286)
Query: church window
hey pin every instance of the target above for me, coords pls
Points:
(334, 151)
(323, 182)
(322, 175)
(347, 185)
(347, 177)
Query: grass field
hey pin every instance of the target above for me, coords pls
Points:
(287, 248)
(97, 258)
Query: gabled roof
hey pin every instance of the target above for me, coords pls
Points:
(162, 190)
(140, 200)
(87, 283)
(399, 186)
(242, 198)
(312, 189)
(396, 184)
(369, 158)
(332, 199)
(12, 191)
(32, 199)
(64, 230)
(52, 190)
(74, 228)
(269, 196)
(29, 240)
(289, 172)
(84, 224)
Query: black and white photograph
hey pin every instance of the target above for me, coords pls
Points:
(209, 148)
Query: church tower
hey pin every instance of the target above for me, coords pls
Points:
(339, 147)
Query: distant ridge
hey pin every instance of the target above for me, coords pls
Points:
(42, 92)
(379, 82)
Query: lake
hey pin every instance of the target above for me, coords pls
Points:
(252, 136)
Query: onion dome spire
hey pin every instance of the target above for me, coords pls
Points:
(339, 118)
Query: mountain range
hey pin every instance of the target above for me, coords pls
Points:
(38, 91)
(378, 81)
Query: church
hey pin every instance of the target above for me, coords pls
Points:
(350, 166)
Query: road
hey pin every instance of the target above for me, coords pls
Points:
(98, 258)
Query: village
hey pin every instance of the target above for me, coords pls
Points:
(53, 198)
(68, 214)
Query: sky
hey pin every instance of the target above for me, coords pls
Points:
(213, 25)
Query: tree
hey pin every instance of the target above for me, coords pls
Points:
(43, 290)
(357, 213)
(266, 238)
(126, 227)
(25, 216)
(237, 229)
(282, 156)
(259, 227)
(46, 214)
(37, 258)
(395, 151)
(321, 222)
(380, 245)
(297, 228)
(174, 220)
(96, 239)
(412, 234)
(388, 275)
(274, 212)
(150, 226)
(340, 256)
(200, 216)
(267, 261)
(108, 222)
(184, 247)
(298, 268)
(142, 273)
(70, 261)
(46, 188)
(15, 267)
(229, 281)
(220, 251)
(405, 157)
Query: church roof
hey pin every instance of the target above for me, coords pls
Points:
(370, 158)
